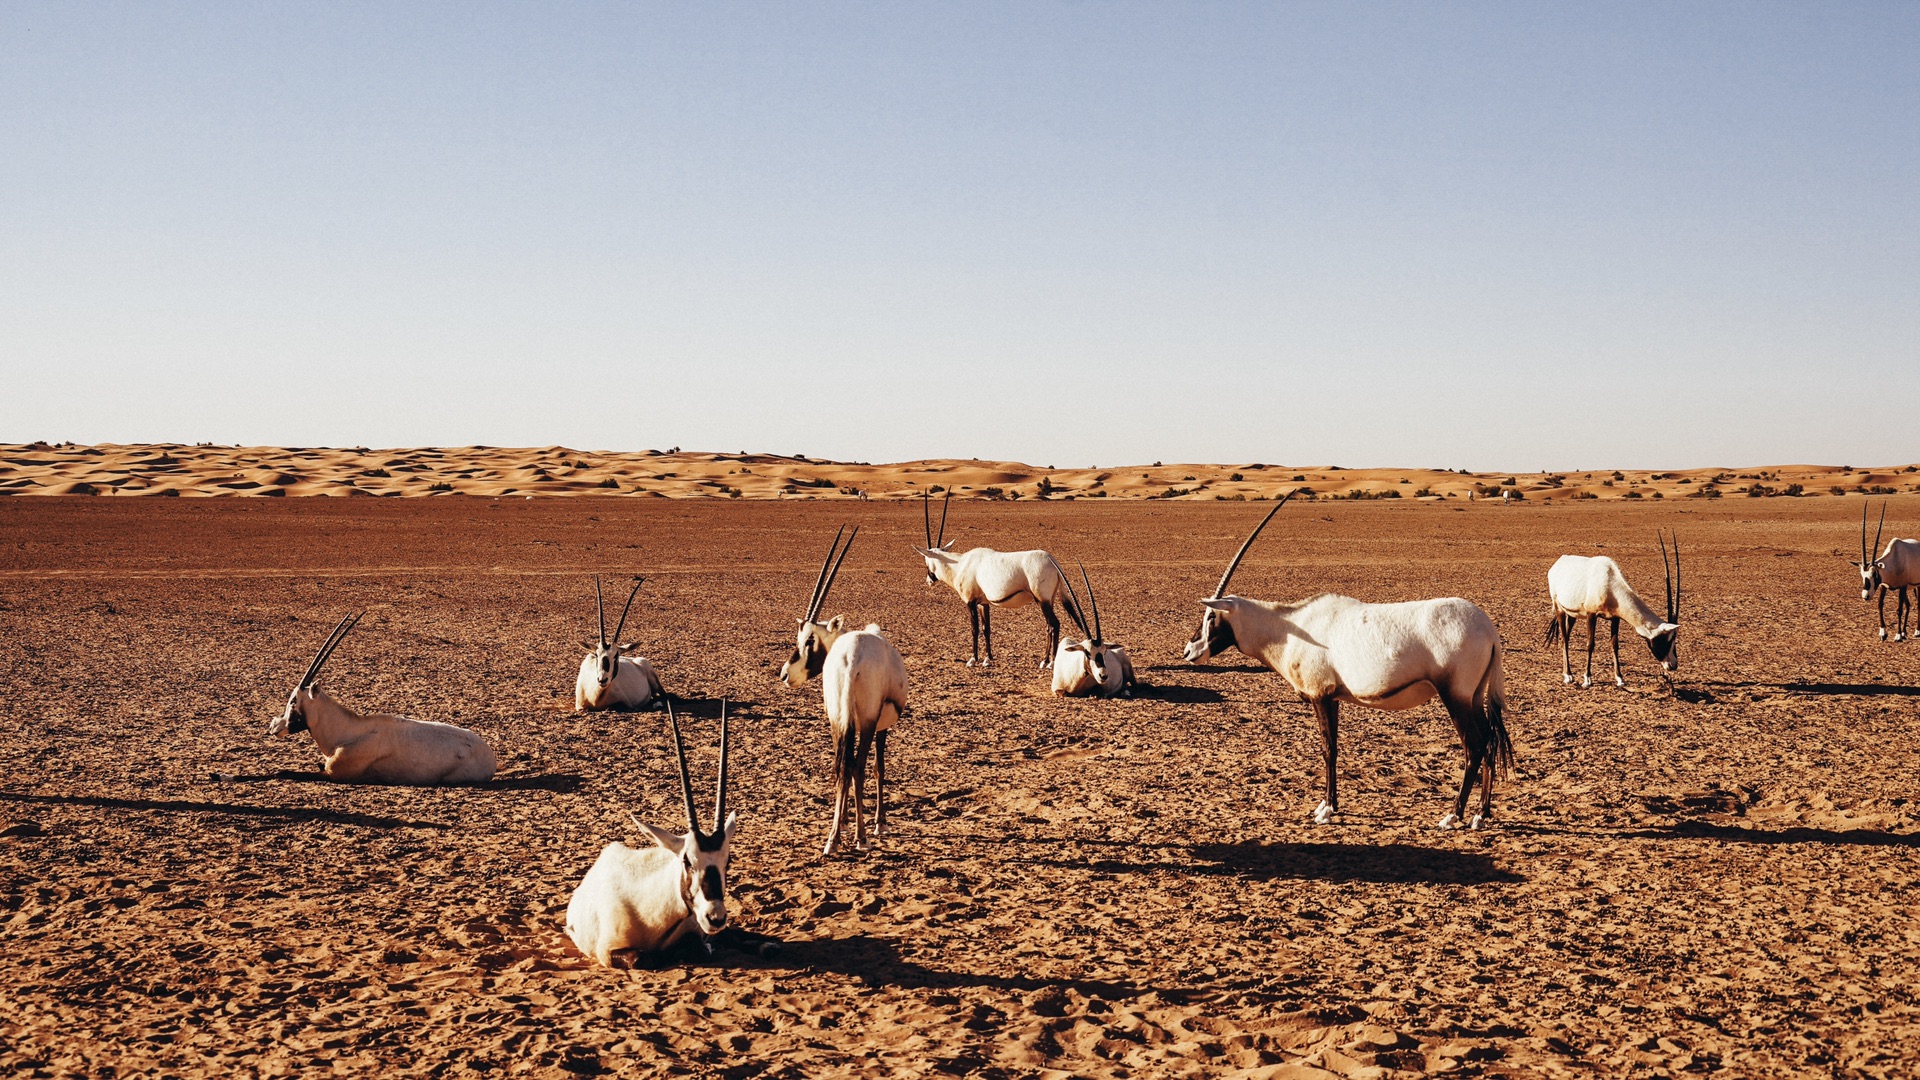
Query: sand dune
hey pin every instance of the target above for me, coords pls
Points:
(173, 469)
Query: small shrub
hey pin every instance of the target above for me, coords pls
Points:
(1509, 482)
(1631, 494)
(1584, 495)
(1836, 490)
(1423, 493)
(1793, 491)
(610, 482)
(992, 492)
(375, 472)
(441, 486)
(1236, 478)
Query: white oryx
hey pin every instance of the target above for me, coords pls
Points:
(1332, 649)
(1896, 570)
(1091, 665)
(1590, 587)
(379, 749)
(987, 579)
(644, 901)
(610, 679)
(863, 682)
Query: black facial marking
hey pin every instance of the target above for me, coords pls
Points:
(711, 886)
(1660, 645)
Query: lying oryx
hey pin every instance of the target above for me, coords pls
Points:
(610, 679)
(987, 579)
(1896, 570)
(380, 749)
(1384, 656)
(644, 901)
(863, 682)
(1091, 665)
(1592, 586)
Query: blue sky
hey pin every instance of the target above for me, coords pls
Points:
(1493, 236)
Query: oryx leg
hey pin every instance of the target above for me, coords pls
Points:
(879, 783)
(1472, 725)
(973, 621)
(986, 624)
(842, 753)
(1615, 628)
(1566, 646)
(1593, 626)
(1883, 612)
(1326, 711)
(1901, 608)
(862, 749)
(1053, 631)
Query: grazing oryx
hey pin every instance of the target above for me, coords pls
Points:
(864, 684)
(1593, 587)
(380, 749)
(1897, 570)
(987, 579)
(1091, 665)
(643, 901)
(1332, 649)
(610, 679)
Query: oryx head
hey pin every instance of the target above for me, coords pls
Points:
(815, 637)
(1870, 566)
(1091, 643)
(939, 550)
(702, 855)
(294, 717)
(1663, 642)
(607, 651)
(1215, 634)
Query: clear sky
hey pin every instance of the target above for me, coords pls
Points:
(1481, 235)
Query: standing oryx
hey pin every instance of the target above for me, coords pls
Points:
(863, 682)
(1384, 656)
(1592, 586)
(1091, 665)
(380, 749)
(649, 899)
(1896, 570)
(987, 579)
(610, 679)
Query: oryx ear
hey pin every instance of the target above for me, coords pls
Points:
(671, 841)
(1214, 603)
(726, 830)
(923, 551)
(1665, 628)
(836, 623)
(948, 546)
(629, 646)
(589, 644)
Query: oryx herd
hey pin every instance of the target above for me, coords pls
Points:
(1330, 649)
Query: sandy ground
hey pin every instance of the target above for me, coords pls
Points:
(203, 470)
(1714, 877)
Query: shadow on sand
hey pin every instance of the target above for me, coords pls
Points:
(302, 814)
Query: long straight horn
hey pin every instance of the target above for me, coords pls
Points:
(686, 785)
(813, 602)
(720, 800)
(1091, 602)
(622, 625)
(600, 609)
(1242, 553)
(944, 504)
(1676, 579)
(1661, 537)
(1876, 532)
(346, 623)
(834, 573)
(926, 518)
(1075, 611)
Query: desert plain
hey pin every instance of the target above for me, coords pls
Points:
(1716, 875)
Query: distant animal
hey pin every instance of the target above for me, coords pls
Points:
(1091, 665)
(1896, 570)
(1591, 587)
(987, 579)
(863, 684)
(378, 748)
(610, 679)
(643, 901)
(1332, 649)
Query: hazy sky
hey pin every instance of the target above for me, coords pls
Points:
(1482, 235)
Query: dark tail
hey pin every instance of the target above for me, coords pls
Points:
(1554, 627)
(1493, 688)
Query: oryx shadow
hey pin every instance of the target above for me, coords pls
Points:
(1703, 692)
(697, 708)
(1319, 861)
(1797, 834)
(877, 961)
(558, 783)
(300, 814)
(1178, 695)
(1241, 669)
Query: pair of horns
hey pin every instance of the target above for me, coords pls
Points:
(926, 512)
(326, 651)
(828, 571)
(600, 608)
(1078, 612)
(1221, 589)
(1866, 553)
(1673, 577)
(686, 783)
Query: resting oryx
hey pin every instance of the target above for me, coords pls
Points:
(1332, 649)
(379, 749)
(864, 685)
(646, 900)
(1091, 665)
(987, 579)
(610, 679)
(1592, 586)
(1896, 570)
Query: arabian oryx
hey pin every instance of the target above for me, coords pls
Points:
(379, 749)
(987, 579)
(644, 901)
(610, 679)
(1092, 665)
(863, 682)
(1592, 586)
(1896, 570)
(1332, 649)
